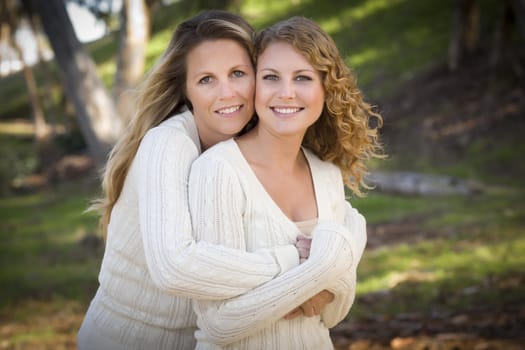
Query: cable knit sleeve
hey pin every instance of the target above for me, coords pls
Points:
(176, 262)
(345, 288)
(224, 322)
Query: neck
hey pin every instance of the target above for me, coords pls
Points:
(273, 150)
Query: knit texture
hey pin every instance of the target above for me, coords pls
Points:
(230, 206)
(152, 265)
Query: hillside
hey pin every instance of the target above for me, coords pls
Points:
(469, 123)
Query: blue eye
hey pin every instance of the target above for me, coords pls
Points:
(205, 80)
(238, 74)
(303, 78)
(270, 77)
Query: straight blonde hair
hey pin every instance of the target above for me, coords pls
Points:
(162, 94)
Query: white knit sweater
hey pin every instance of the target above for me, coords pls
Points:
(230, 206)
(152, 265)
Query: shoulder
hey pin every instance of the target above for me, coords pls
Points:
(178, 131)
(322, 167)
(183, 122)
(223, 152)
(221, 159)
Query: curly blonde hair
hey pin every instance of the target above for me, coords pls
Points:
(162, 94)
(342, 135)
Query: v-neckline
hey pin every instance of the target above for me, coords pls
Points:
(250, 172)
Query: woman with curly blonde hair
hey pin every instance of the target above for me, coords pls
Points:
(284, 181)
(200, 92)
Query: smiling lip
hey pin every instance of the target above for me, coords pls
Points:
(286, 110)
(227, 111)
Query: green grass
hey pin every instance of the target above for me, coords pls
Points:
(381, 208)
(478, 239)
(478, 246)
(41, 256)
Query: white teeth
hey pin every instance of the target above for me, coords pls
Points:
(286, 110)
(229, 110)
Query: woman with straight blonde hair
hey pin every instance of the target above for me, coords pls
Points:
(199, 93)
(285, 180)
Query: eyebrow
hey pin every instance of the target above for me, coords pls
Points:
(204, 73)
(298, 71)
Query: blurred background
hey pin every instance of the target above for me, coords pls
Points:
(444, 267)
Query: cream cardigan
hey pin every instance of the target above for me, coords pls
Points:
(230, 206)
(152, 265)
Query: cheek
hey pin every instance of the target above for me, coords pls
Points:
(261, 93)
(193, 96)
(246, 88)
(318, 99)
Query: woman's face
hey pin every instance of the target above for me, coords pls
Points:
(220, 84)
(289, 93)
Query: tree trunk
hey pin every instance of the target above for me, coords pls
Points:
(518, 7)
(134, 35)
(95, 110)
(43, 66)
(465, 31)
(512, 16)
(43, 143)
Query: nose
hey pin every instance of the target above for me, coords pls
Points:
(226, 90)
(287, 90)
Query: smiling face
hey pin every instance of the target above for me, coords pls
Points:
(289, 91)
(220, 86)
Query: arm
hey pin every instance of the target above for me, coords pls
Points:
(344, 289)
(233, 319)
(223, 322)
(333, 303)
(176, 262)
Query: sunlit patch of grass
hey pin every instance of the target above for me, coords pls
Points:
(481, 238)
(257, 11)
(379, 207)
(354, 13)
(432, 269)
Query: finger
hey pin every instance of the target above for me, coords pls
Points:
(308, 311)
(303, 253)
(293, 314)
(315, 310)
(306, 242)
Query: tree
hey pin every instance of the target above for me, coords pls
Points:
(95, 110)
(44, 146)
(134, 35)
(465, 31)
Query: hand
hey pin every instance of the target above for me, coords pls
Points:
(313, 306)
(303, 245)
(294, 313)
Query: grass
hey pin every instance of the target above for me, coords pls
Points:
(45, 270)
(41, 256)
(478, 245)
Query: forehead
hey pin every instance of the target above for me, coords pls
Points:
(281, 55)
(217, 53)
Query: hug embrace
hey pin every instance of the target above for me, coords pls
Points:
(224, 205)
